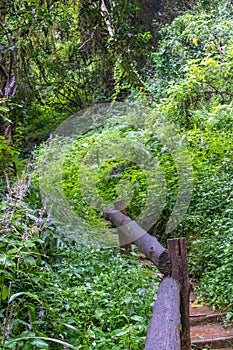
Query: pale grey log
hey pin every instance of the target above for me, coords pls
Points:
(148, 244)
(164, 329)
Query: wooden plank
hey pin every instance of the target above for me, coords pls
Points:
(164, 329)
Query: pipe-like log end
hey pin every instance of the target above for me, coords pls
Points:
(164, 263)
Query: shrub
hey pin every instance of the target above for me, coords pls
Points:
(56, 292)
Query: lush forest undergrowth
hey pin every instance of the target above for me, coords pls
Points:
(57, 59)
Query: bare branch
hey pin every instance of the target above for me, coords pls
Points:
(105, 14)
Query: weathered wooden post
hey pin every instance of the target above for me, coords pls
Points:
(178, 256)
(125, 246)
(164, 328)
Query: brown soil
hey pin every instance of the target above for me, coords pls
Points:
(207, 329)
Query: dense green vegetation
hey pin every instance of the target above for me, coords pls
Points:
(175, 77)
(53, 288)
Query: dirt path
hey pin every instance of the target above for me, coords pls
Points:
(207, 330)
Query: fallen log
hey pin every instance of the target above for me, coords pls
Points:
(133, 233)
(164, 329)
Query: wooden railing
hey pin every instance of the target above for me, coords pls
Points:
(169, 328)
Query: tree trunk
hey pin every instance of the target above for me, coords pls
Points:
(164, 329)
(132, 232)
(6, 65)
(155, 12)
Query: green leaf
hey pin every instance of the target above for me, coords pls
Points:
(31, 295)
(137, 318)
(16, 340)
(26, 346)
(40, 343)
(120, 332)
(69, 326)
(4, 292)
(4, 109)
(30, 260)
(5, 261)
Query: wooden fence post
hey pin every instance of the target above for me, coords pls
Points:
(172, 263)
(178, 256)
(125, 246)
(164, 329)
